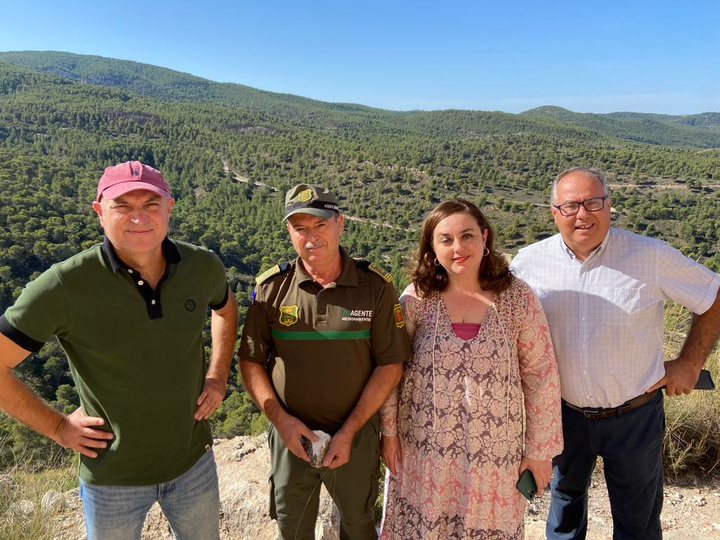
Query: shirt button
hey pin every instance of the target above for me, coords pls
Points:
(152, 302)
(129, 270)
(583, 318)
(141, 282)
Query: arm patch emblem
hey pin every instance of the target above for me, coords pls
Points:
(399, 320)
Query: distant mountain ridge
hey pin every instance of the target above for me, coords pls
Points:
(698, 131)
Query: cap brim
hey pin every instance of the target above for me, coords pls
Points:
(319, 212)
(125, 187)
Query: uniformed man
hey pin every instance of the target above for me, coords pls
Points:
(322, 347)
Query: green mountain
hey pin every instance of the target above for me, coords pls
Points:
(166, 84)
(699, 130)
(708, 119)
(229, 152)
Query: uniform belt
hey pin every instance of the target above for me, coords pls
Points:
(599, 414)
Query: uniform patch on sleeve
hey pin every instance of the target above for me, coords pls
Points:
(399, 320)
(387, 276)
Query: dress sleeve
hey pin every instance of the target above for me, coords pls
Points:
(540, 382)
(388, 412)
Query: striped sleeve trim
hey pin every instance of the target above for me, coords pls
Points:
(17, 337)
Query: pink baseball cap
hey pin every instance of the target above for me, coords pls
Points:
(131, 175)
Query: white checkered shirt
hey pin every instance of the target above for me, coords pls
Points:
(606, 313)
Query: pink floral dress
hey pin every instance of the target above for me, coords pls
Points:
(459, 414)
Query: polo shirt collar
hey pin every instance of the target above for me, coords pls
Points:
(348, 274)
(170, 251)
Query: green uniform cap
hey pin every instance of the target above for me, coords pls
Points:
(308, 199)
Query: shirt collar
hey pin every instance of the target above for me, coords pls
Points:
(170, 251)
(348, 274)
(594, 253)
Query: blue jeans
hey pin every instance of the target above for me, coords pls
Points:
(190, 502)
(631, 447)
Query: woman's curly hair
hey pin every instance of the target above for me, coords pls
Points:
(494, 274)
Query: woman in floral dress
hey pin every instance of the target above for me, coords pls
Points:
(452, 433)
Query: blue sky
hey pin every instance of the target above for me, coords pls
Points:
(587, 56)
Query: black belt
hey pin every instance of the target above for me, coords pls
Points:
(599, 414)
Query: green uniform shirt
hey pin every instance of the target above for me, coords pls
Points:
(322, 344)
(136, 355)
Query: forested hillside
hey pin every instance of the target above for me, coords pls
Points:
(698, 130)
(230, 152)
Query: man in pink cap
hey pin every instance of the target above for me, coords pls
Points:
(129, 313)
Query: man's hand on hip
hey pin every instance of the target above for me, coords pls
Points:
(680, 377)
(76, 431)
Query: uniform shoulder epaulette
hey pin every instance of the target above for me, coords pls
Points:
(272, 271)
(379, 270)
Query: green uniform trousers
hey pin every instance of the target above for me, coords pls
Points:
(295, 488)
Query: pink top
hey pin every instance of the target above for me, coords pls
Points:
(465, 330)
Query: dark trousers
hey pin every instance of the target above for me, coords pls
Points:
(631, 448)
(295, 488)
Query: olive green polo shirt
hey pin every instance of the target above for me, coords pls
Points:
(322, 344)
(136, 354)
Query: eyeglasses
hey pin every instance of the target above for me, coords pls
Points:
(593, 204)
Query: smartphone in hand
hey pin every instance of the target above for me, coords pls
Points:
(705, 381)
(526, 485)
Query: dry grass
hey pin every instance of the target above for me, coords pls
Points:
(21, 491)
(692, 438)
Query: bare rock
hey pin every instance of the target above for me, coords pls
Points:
(316, 450)
(244, 472)
(53, 501)
(328, 521)
(684, 534)
(22, 508)
(534, 530)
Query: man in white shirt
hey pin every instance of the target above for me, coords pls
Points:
(603, 292)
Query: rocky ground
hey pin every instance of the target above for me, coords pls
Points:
(691, 511)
